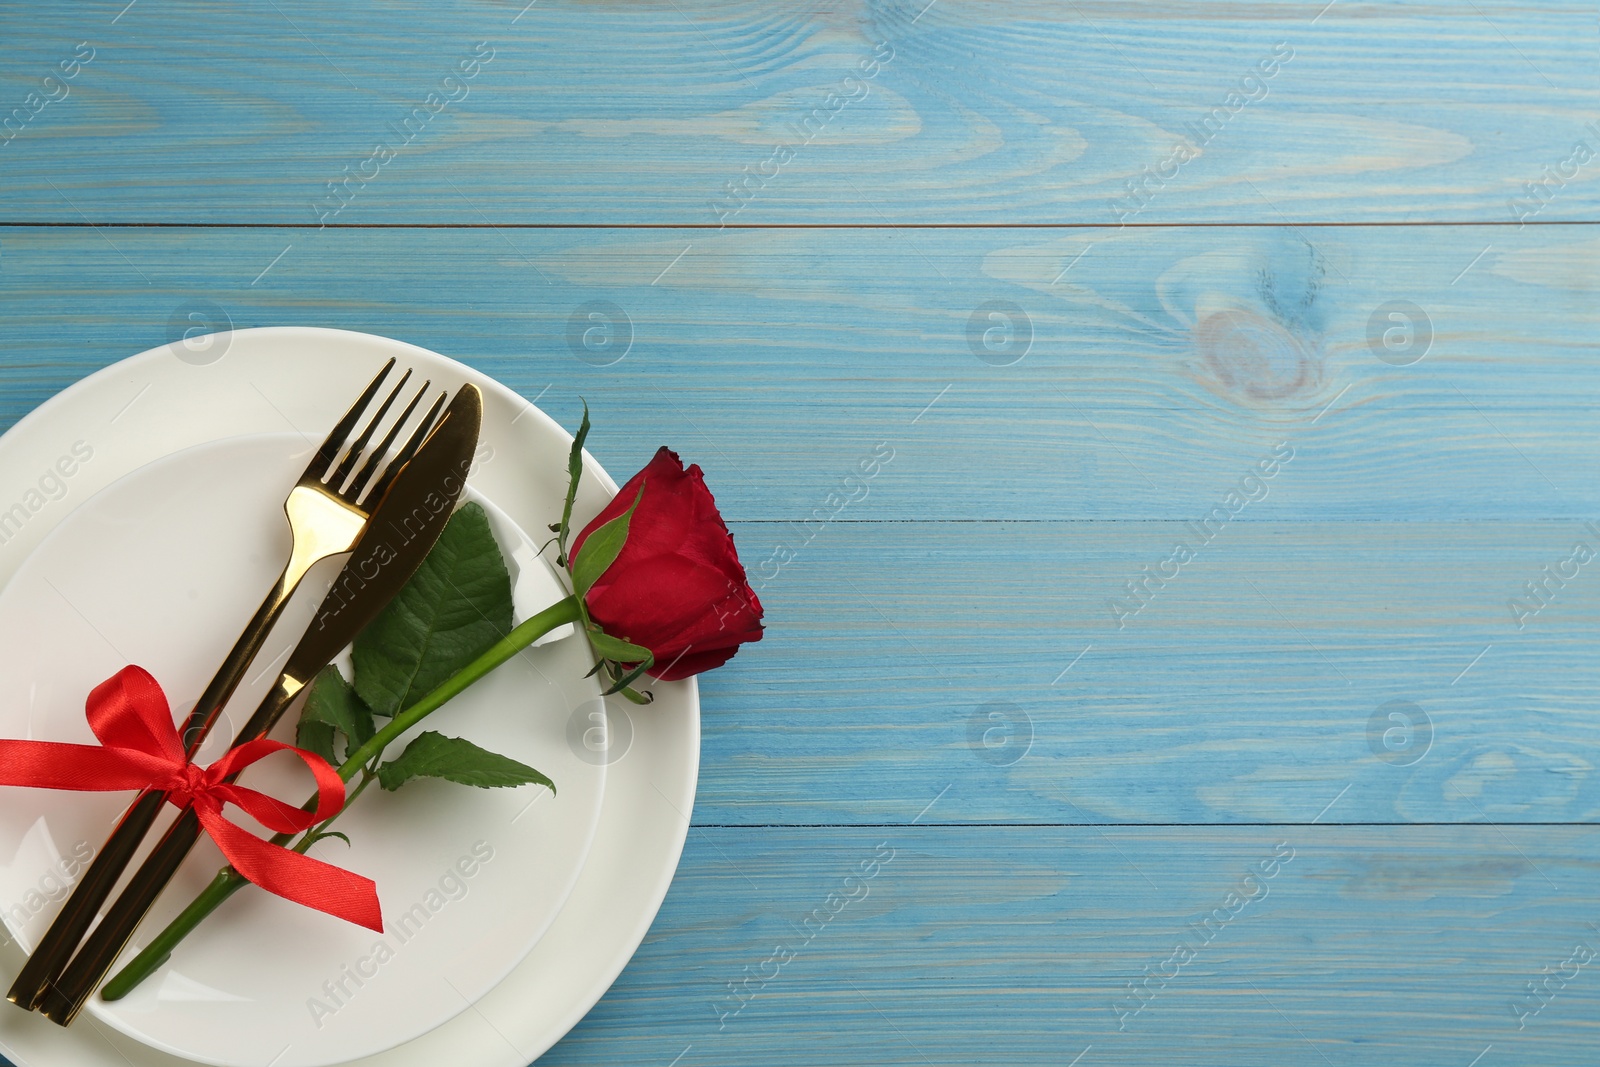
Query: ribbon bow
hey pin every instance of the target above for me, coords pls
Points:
(140, 749)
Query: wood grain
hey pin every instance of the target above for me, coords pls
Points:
(609, 113)
(1256, 686)
(1011, 946)
(1164, 364)
(953, 409)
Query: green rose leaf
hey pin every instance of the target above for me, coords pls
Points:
(433, 755)
(601, 549)
(455, 606)
(316, 737)
(331, 709)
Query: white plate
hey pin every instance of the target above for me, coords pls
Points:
(162, 401)
(158, 569)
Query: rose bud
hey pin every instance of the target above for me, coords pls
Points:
(677, 586)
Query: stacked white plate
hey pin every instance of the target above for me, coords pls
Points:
(141, 522)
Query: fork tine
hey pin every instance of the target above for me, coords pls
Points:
(341, 430)
(424, 428)
(346, 465)
(381, 450)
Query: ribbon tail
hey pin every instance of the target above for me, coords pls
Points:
(295, 876)
(58, 765)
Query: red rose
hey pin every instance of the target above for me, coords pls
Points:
(677, 587)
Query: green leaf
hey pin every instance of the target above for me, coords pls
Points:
(456, 605)
(601, 549)
(316, 737)
(574, 472)
(433, 755)
(332, 708)
(615, 648)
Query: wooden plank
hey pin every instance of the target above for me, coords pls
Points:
(960, 111)
(1164, 364)
(1401, 946)
(1257, 685)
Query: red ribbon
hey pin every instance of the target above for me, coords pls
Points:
(140, 749)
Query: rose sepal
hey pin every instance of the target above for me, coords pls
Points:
(622, 661)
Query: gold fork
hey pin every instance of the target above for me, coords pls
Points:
(327, 510)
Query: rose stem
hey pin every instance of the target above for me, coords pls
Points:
(229, 881)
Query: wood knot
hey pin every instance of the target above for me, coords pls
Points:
(1256, 356)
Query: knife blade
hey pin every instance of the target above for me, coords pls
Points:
(404, 526)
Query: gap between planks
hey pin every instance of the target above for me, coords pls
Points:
(63, 224)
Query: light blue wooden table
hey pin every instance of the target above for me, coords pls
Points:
(1307, 290)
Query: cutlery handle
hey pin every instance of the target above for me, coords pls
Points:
(65, 997)
(55, 948)
(233, 668)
